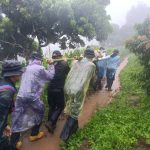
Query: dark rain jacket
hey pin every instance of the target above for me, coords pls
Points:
(61, 71)
(7, 91)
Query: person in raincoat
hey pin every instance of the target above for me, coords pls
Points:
(29, 108)
(56, 91)
(11, 73)
(76, 86)
(112, 64)
(100, 63)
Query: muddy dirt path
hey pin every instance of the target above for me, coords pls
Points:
(98, 99)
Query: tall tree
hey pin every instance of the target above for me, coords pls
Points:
(135, 15)
(140, 45)
(23, 22)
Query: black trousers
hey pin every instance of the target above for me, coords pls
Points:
(5, 145)
(110, 74)
(56, 105)
(98, 83)
(14, 139)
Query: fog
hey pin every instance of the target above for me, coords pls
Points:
(119, 8)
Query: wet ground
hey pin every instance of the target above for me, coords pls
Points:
(98, 99)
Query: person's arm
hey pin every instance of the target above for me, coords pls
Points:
(104, 58)
(7, 131)
(48, 74)
(5, 106)
(51, 71)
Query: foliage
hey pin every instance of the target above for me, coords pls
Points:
(123, 122)
(75, 53)
(23, 22)
(140, 45)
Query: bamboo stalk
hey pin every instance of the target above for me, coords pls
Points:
(62, 59)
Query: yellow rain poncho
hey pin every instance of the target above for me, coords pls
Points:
(76, 86)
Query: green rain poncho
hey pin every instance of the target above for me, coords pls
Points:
(76, 86)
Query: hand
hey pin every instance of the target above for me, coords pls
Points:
(65, 59)
(7, 131)
(81, 57)
(50, 61)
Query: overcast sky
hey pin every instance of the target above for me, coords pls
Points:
(119, 8)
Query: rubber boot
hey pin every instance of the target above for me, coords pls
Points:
(15, 142)
(19, 145)
(50, 127)
(36, 137)
(70, 127)
(51, 124)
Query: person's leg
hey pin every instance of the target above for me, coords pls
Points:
(5, 145)
(111, 77)
(35, 130)
(14, 141)
(101, 75)
(58, 98)
(38, 109)
(59, 103)
(111, 80)
(36, 134)
(70, 128)
(71, 124)
(107, 76)
(96, 84)
(100, 86)
(51, 103)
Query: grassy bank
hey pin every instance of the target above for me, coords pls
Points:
(123, 123)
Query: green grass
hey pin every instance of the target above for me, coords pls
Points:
(122, 123)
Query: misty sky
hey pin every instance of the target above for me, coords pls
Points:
(118, 9)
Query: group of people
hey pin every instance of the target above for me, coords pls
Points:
(67, 88)
(106, 67)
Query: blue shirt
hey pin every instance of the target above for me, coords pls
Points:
(113, 62)
(101, 68)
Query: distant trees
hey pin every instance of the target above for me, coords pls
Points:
(26, 25)
(136, 15)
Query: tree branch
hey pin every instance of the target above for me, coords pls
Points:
(13, 44)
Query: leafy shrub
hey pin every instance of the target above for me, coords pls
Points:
(140, 45)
